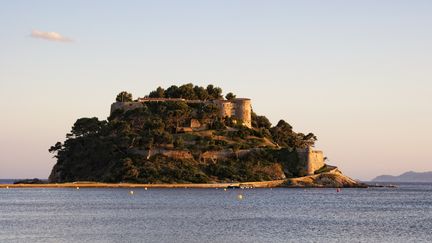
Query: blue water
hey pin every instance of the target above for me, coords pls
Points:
(401, 214)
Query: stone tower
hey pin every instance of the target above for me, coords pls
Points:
(243, 110)
(313, 160)
(239, 108)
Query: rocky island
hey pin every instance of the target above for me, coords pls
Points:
(190, 135)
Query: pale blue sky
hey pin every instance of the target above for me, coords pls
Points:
(355, 73)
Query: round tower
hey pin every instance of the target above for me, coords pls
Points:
(243, 110)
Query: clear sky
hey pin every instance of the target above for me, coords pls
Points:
(358, 74)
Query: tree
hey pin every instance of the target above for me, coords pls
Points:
(187, 92)
(86, 126)
(309, 140)
(201, 93)
(130, 171)
(172, 92)
(260, 121)
(214, 92)
(158, 93)
(284, 125)
(54, 149)
(283, 135)
(230, 96)
(124, 97)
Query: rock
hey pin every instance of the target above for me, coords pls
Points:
(333, 179)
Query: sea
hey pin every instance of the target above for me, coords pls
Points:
(401, 214)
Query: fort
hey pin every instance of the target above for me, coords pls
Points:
(312, 160)
(239, 109)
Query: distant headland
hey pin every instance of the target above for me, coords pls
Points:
(410, 176)
(190, 134)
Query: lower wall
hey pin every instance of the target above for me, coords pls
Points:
(312, 160)
(316, 161)
(126, 106)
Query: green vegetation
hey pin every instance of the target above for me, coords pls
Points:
(149, 144)
(189, 92)
(124, 97)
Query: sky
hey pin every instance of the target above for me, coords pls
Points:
(358, 74)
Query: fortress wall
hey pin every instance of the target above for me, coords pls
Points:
(312, 159)
(225, 108)
(239, 109)
(126, 106)
(178, 154)
(315, 161)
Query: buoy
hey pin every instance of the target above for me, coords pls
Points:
(7, 187)
(131, 192)
(239, 196)
(145, 188)
(77, 188)
(338, 189)
(224, 189)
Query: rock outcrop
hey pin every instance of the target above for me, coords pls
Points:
(332, 179)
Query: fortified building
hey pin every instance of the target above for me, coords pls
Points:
(238, 108)
(312, 160)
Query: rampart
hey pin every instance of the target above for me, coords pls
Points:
(125, 106)
(239, 108)
(243, 111)
(313, 160)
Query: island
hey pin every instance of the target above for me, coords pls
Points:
(189, 136)
(410, 176)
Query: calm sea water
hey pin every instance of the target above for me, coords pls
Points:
(403, 214)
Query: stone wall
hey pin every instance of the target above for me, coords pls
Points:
(313, 160)
(208, 156)
(126, 106)
(225, 107)
(239, 108)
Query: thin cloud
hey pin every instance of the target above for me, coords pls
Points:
(52, 36)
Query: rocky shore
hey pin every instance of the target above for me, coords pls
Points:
(333, 179)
